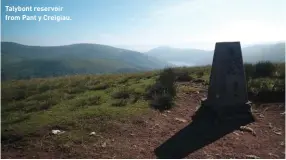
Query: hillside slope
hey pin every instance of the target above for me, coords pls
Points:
(109, 116)
(22, 61)
(264, 52)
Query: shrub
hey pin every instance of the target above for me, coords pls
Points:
(35, 106)
(153, 90)
(161, 94)
(119, 102)
(167, 78)
(135, 98)
(121, 94)
(43, 87)
(13, 106)
(266, 90)
(98, 87)
(279, 85)
(93, 100)
(260, 84)
(200, 74)
(280, 70)
(206, 82)
(183, 76)
(41, 96)
(67, 96)
(18, 119)
(123, 80)
(249, 70)
(162, 102)
(264, 69)
(74, 90)
(87, 101)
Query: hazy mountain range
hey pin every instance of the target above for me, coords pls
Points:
(23, 62)
(190, 57)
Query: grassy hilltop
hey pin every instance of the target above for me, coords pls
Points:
(82, 104)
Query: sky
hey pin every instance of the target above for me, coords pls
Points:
(145, 24)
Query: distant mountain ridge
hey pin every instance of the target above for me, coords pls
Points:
(23, 61)
(274, 52)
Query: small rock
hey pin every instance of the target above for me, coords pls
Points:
(56, 131)
(168, 111)
(274, 129)
(261, 115)
(103, 145)
(278, 133)
(181, 120)
(270, 125)
(254, 111)
(164, 115)
(236, 133)
(247, 129)
(92, 133)
(203, 99)
(282, 143)
(252, 156)
(132, 134)
(283, 113)
(273, 155)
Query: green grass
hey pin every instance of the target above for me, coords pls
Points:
(29, 106)
(85, 103)
(265, 80)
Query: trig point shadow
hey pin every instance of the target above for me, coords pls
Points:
(225, 109)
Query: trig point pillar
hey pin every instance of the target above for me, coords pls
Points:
(227, 91)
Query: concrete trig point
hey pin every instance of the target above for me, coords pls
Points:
(227, 93)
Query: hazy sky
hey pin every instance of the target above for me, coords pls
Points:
(144, 24)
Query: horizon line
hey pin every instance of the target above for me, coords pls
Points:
(169, 46)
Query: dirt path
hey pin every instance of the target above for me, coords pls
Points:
(138, 137)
